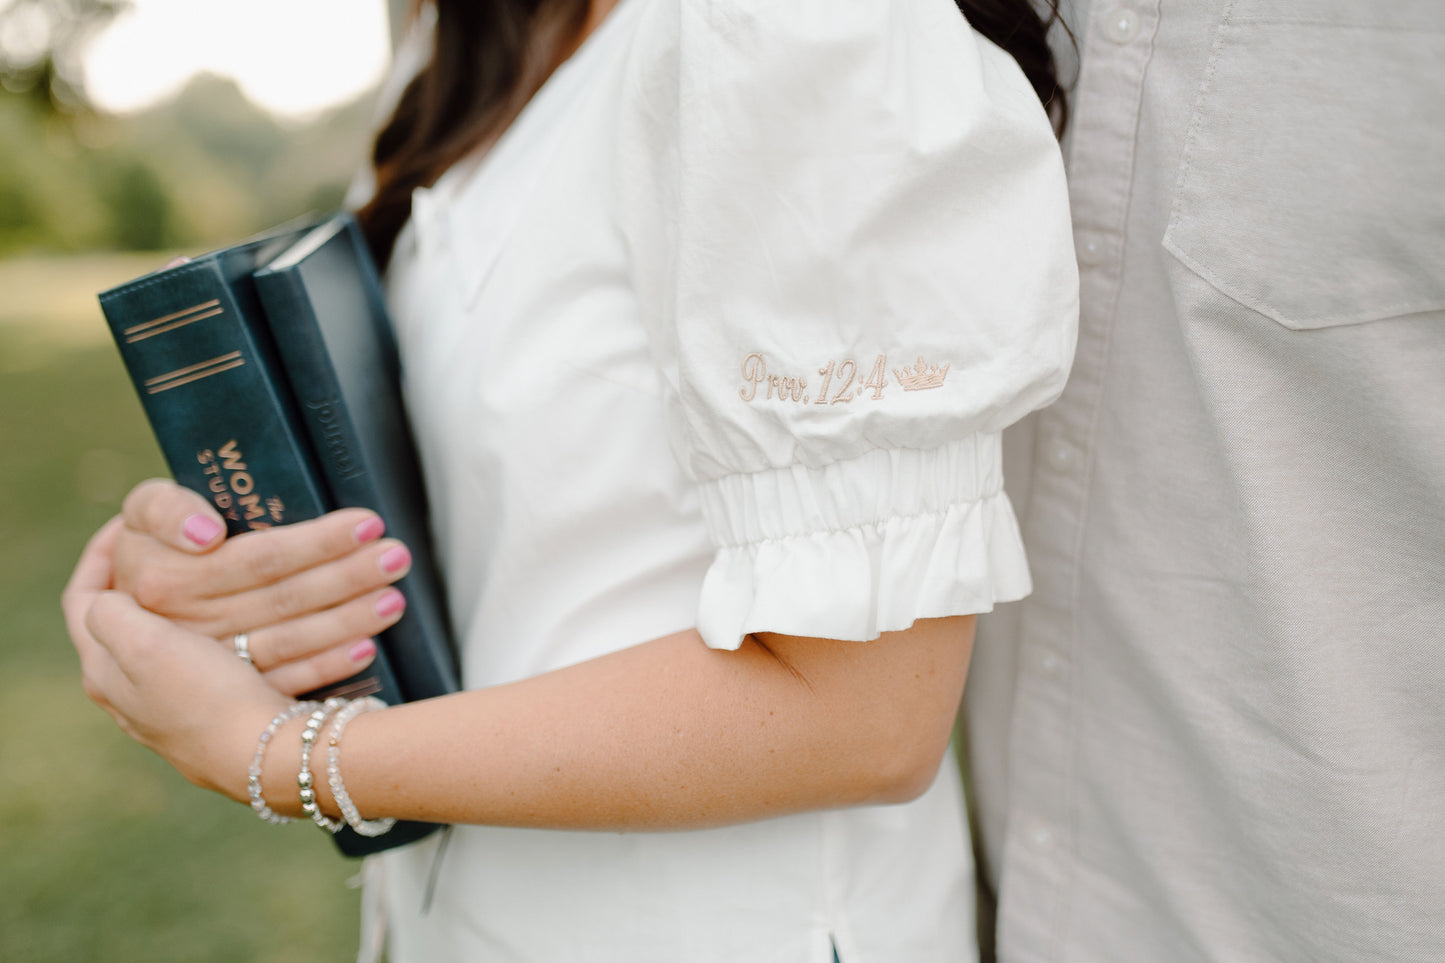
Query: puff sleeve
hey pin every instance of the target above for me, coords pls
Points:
(849, 234)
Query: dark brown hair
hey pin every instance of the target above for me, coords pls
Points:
(489, 57)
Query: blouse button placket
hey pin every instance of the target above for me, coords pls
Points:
(1038, 845)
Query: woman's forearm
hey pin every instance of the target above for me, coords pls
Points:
(664, 735)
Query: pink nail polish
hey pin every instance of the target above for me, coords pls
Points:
(395, 559)
(390, 603)
(361, 651)
(200, 528)
(369, 530)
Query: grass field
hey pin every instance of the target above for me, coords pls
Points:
(105, 853)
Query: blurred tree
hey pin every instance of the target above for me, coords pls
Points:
(17, 210)
(202, 168)
(139, 208)
(40, 46)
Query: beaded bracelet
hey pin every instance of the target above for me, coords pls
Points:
(366, 827)
(303, 777)
(253, 774)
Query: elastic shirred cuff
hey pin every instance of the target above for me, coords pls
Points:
(861, 547)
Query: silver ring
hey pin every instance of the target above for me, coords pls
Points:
(242, 644)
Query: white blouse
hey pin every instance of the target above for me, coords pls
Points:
(722, 333)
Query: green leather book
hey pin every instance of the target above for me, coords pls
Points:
(324, 306)
(202, 351)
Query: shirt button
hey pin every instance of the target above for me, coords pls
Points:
(1049, 662)
(1062, 456)
(1089, 248)
(1121, 25)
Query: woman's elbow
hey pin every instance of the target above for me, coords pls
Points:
(902, 771)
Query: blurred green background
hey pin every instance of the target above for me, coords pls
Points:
(105, 853)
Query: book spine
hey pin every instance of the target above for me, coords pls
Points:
(417, 644)
(221, 423)
(342, 463)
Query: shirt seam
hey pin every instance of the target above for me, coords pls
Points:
(859, 526)
(976, 437)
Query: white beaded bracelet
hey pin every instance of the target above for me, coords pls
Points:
(366, 827)
(253, 774)
(303, 776)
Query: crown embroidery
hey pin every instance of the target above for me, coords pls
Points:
(921, 376)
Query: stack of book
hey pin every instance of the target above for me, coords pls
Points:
(269, 373)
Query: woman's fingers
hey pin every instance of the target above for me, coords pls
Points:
(301, 638)
(174, 516)
(91, 577)
(219, 592)
(176, 692)
(93, 569)
(323, 669)
(265, 557)
(179, 519)
(309, 595)
(313, 591)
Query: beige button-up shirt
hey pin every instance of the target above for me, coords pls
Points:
(1216, 731)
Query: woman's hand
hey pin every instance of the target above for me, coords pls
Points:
(668, 734)
(309, 595)
(172, 690)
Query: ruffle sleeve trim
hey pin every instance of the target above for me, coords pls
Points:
(862, 546)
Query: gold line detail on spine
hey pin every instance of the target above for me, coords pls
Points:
(173, 325)
(195, 372)
(194, 367)
(203, 306)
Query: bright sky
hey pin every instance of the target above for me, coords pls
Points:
(290, 56)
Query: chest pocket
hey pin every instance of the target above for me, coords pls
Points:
(1312, 188)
